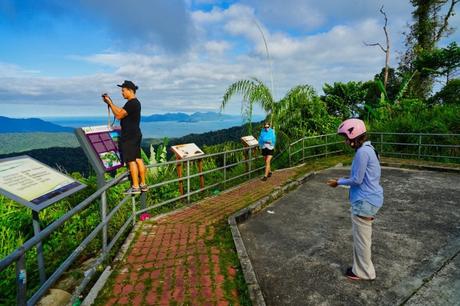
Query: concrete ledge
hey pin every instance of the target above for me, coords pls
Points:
(255, 293)
(420, 167)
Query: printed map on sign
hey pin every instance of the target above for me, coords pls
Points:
(187, 150)
(105, 143)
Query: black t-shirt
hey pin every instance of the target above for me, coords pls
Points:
(130, 124)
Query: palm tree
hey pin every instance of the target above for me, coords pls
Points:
(254, 92)
(296, 114)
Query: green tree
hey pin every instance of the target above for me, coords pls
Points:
(298, 113)
(440, 61)
(254, 92)
(344, 100)
(429, 26)
(449, 94)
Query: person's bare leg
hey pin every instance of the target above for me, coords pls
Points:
(134, 173)
(267, 165)
(142, 170)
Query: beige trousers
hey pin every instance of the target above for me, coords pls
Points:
(362, 242)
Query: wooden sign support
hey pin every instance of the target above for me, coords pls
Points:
(249, 142)
(183, 152)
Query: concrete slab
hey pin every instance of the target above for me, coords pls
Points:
(300, 246)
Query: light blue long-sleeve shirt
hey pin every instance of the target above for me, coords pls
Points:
(267, 136)
(364, 180)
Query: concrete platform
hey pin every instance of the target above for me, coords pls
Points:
(301, 244)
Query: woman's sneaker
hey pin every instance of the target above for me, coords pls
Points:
(351, 275)
(269, 174)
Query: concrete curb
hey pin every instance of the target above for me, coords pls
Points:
(255, 293)
(420, 167)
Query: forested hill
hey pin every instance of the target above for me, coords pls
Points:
(210, 138)
(74, 160)
(12, 125)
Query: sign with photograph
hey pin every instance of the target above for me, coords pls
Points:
(249, 141)
(104, 142)
(187, 150)
(31, 183)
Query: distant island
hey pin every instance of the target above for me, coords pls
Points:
(12, 125)
(183, 117)
(33, 125)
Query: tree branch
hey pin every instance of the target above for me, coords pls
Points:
(446, 18)
(374, 44)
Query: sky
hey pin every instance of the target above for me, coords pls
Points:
(57, 57)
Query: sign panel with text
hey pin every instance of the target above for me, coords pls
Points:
(187, 150)
(104, 142)
(249, 141)
(34, 184)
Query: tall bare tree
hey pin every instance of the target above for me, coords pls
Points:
(386, 50)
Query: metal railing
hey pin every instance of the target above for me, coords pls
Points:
(224, 162)
(314, 146)
(436, 147)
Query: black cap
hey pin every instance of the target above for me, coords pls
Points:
(129, 85)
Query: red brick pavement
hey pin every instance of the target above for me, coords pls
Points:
(169, 261)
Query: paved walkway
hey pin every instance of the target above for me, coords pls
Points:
(301, 249)
(172, 261)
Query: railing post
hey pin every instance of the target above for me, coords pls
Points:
(381, 143)
(133, 202)
(21, 281)
(326, 145)
(419, 146)
(303, 149)
(250, 162)
(289, 153)
(188, 181)
(100, 184)
(40, 257)
(225, 169)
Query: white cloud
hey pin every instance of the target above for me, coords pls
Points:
(227, 46)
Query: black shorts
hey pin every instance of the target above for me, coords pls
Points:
(130, 149)
(267, 152)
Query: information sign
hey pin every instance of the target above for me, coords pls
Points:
(187, 150)
(31, 183)
(249, 141)
(104, 142)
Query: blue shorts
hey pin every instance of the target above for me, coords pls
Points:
(364, 208)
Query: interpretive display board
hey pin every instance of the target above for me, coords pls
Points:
(186, 150)
(102, 141)
(249, 141)
(34, 184)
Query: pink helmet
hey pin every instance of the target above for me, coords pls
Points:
(352, 128)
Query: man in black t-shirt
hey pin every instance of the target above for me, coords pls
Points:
(131, 136)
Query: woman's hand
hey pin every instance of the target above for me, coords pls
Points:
(332, 182)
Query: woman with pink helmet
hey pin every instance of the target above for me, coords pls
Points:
(366, 196)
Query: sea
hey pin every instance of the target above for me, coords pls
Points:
(160, 129)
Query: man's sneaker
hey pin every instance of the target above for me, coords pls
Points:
(269, 174)
(264, 178)
(144, 187)
(133, 190)
(351, 275)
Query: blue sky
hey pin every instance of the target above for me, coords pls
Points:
(56, 57)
